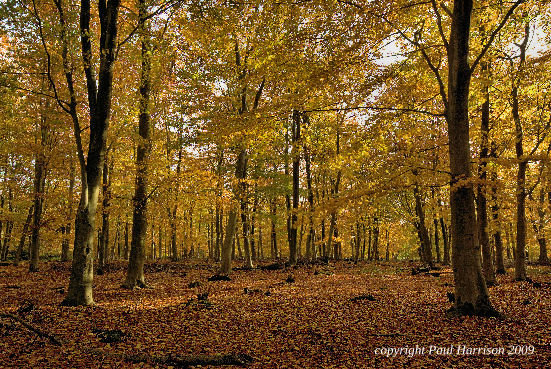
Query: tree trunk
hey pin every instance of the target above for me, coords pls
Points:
(240, 174)
(311, 233)
(500, 265)
(363, 241)
(482, 207)
(471, 293)
(295, 153)
(446, 260)
(39, 186)
(426, 251)
(387, 253)
(520, 255)
(134, 273)
(245, 228)
(24, 234)
(67, 227)
(254, 253)
(104, 244)
(539, 228)
(273, 233)
(375, 246)
(126, 239)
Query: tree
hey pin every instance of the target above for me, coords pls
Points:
(99, 103)
(135, 274)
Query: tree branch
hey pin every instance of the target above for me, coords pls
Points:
(494, 34)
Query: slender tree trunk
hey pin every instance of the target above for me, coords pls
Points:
(422, 229)
(104, 244)
(369, 247)
(482, 207)
(240, 174)
(311, 233)
(273, 233)
(67, 227)
(134, 273)
(245, 228)
(295, 153)
(363, 241)
(39, 186)
(500, 265)
(539, 229)
(126, 241)
(24, 234)
(446, 260)
(520, 255)
(254, 253)
(9, 227)
(375, 250)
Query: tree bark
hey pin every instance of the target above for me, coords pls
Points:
(39, 186)
(240, 174)
(99, 101)
(310, 246)
(24, 234)
(482, 207)
(295, 153)
(520, 255)
(471, 293)
(539, 229)
(273, 232)
(424, 238)
(135, 274)
(67, 227)
(500, 265)
(106, 192)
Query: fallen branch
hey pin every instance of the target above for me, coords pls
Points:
(386, 334)
(38, 332)
(184, 361)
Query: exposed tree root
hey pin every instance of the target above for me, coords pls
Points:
(38, 332)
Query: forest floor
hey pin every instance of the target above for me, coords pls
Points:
(338, 315)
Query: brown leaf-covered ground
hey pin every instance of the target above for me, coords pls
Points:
(313, 322)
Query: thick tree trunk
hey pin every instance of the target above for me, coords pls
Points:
(471, 293)
(134, 273)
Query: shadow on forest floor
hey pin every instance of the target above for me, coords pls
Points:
(318, 315)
